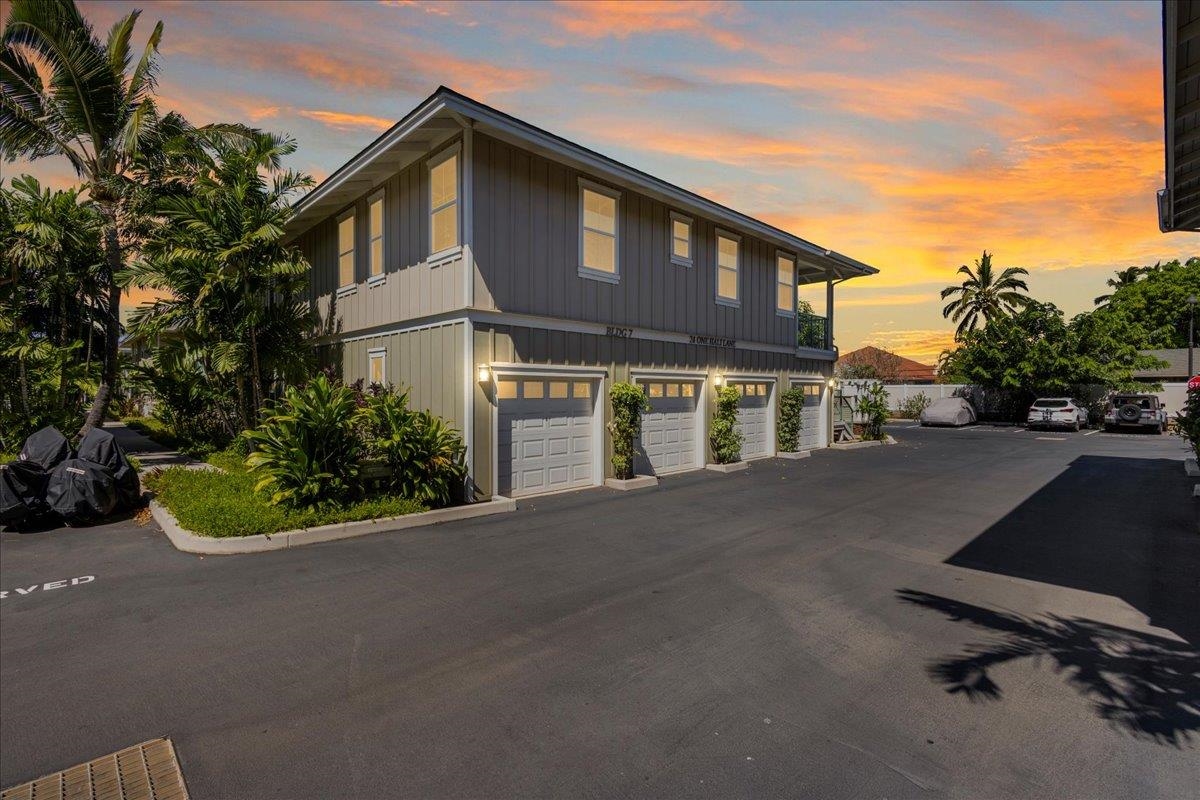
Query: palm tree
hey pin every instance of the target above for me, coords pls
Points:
(983, 296)
(1125, 277)
(232, 287)
(65, 93)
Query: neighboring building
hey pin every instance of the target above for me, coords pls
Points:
(1175, 371)
(509, 277)
(1179, 202)
(873, 362)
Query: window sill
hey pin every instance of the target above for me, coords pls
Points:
(345, 291)
(680, 261)
(444, 256)
(785, 314)
(725, 301)
(376, 280)
(599, 275)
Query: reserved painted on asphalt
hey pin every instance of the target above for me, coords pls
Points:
(22, 591)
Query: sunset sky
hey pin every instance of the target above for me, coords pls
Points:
(909, 136)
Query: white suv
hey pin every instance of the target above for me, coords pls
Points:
(1057, 412)
(1135, 411)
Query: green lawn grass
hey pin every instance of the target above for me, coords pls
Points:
(224, 504)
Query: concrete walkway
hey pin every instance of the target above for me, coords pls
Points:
(148, 452)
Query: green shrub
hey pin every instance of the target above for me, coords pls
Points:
(306, 451)
(223, 504)
(912, 407)
(628, 404)
(425, 456)
(1189, 421)
(872, 406)
(724, 439)
(791, 418)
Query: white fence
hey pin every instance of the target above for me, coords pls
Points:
(1173, 395)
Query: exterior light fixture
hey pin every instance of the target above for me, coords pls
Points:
(719, 380)
(484, 373)
(831, 383)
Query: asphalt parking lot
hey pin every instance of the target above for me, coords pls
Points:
(984, 613)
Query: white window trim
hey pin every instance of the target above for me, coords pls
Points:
(589, 272)
(675, 216)
(381, 195)
(455, 149)
(377, 351)
(351, 287)
(790, 314)
(725, 301)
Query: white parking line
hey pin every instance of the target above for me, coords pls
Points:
(1092, 433)
(1051, 438)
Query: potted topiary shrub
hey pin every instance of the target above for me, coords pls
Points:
(724, 439)
(628, 404)
(791, 420)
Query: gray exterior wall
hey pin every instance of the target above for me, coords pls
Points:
(429, 362)
(502, 344)
(526, 249)
(412, 288)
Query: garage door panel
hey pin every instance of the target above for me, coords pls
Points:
(753, 418)
(668, 442)
(545, 438)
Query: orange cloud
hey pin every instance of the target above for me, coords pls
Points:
(342, 121)
(600, 19)
(920, 345)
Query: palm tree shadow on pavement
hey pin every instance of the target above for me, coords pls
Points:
(1145, 685)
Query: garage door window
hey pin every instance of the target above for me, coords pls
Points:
(542, 389)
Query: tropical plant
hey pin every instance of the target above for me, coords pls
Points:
(305, 449)
(1157, 302)
(231, 290)
(912, 406)
(984, 296)
(873, 408)
(1125, 277)
(724, 439)
(426, 458)
(791, 418)
(1189, 421)
(629, 402)
(64, 92)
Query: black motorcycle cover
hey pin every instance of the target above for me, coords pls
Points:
(100, 447)
(81, 491)
(22, 491)
(46, 447)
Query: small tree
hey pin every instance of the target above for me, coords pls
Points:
(628, 404)
(912, 407)
(1189, 420)
(872, 405)
(791, 418)
(724, 438)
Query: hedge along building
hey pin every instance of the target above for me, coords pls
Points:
(507, 277)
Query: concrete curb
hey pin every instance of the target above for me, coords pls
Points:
(190, 542)
(736, 466)
(628, 484)
(856, 445)
(794, 456)
(1191, 468)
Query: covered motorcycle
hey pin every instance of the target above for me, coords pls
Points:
(100, 447)
(81, 491)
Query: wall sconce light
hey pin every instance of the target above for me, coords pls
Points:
(832, 383)
(719, 381)
(484, 373)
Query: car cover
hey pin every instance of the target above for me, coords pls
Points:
(22, 492)
(100, 447)
(46, 447)
(81, 491)
(953, 411)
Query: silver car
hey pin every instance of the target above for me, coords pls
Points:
(1057, 412)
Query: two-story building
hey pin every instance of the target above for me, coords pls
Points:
(507, 277)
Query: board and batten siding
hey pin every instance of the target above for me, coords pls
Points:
(412, 288)
(526, 251)
(428, 363)
(620, 358)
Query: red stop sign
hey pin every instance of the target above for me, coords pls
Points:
(1194, 383)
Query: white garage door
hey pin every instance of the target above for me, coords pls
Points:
(754, 418)
(810, 417)
(545, 435)
(669, 442)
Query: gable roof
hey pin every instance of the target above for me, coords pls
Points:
(1176, 367)
(906, 368)
(348, 182)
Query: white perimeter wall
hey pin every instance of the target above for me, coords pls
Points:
(1173, 395)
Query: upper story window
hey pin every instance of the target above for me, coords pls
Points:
(443, 202)
(727, 268)
(785, 284)
(681, 239)
(598, 231)
(346, 249)
(375, 250)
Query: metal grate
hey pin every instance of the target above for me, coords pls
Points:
(147, 771)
